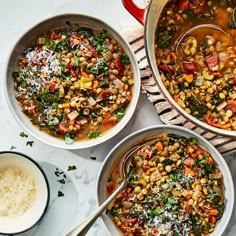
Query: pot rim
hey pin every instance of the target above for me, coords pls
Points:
(149, 35)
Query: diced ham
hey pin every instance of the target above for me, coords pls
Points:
(189, 67)
(212, 62)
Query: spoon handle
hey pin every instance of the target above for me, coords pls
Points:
(84, 227)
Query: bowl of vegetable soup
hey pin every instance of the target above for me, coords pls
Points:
(191, 50)
(177, 185)
(72, 81)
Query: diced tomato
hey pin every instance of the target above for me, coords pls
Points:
(231, 105)
(132, 222)
(110, 187)
(62, 128)
(52, 86)
(73, 73)
(164, 67)
(104, 94)
(119, 196)
(128, 189)
(212, 219)
(187, 208)
(189, 67)
(183, 4)
(212, 61)
(109, 123)
(145, 168)
(209, 121)
(189, 161)
(119, 65)
(93, 50)
(54, 35)
(155, 230)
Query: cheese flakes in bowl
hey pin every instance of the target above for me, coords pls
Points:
(24, 193)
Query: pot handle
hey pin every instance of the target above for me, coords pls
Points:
(134, 10)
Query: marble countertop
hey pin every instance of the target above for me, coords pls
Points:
(80, 188)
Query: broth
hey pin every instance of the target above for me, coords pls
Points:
(74, 82)
(198, 65)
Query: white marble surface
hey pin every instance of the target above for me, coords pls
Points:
(80, 188)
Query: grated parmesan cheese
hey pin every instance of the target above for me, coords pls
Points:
(17, 192)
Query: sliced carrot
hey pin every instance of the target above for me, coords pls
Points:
(190, 149)
(85, 74)
(176, 97)
(72, 122)
(66, 105)
(212, 219)
(189, 171)
(187, 208)
(189, 78)
(119, 196)
(210, 161)
(129, 97)
(155, 230)
(95, 84)
(123, 227)
(145, 168)
(214, 212)
(159, 146)
(188, 196)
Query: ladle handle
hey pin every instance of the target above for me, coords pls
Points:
(84, 227)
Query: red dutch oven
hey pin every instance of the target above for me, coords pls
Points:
(149, 17)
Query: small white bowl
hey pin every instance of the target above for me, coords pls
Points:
(25, 221)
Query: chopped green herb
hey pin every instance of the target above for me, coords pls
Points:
(12, 147)
(60, 194)
(29, 143)
(71, 168)
(94, 134)
(23, 135)
(119, 116)
(124, 59)
(93, 158)
(76, 62)
(157, 212)
(61, 181)
(69, 138)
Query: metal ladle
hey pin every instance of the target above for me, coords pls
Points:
(84, 227)
(199, 30)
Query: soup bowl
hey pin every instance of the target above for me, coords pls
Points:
(110, 172)
(72, 81)
(151, 17)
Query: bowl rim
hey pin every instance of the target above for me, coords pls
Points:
(27, 158)
(149, 34)
(60, 143)
(183, 129)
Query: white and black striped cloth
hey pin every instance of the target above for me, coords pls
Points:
(134, 34)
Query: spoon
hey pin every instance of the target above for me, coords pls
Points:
(84, 227)
(202, 29)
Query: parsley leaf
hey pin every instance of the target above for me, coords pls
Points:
(71, 168)
(29, 143)
(13, 147)
(23, 135)
(60, 194)
(94, 134)
(61, 181)
(69, 138)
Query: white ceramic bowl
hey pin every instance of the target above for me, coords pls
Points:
(27, 39)
(27, 220)
(139, 137)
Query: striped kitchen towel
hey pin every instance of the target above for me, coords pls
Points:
(134, 34)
